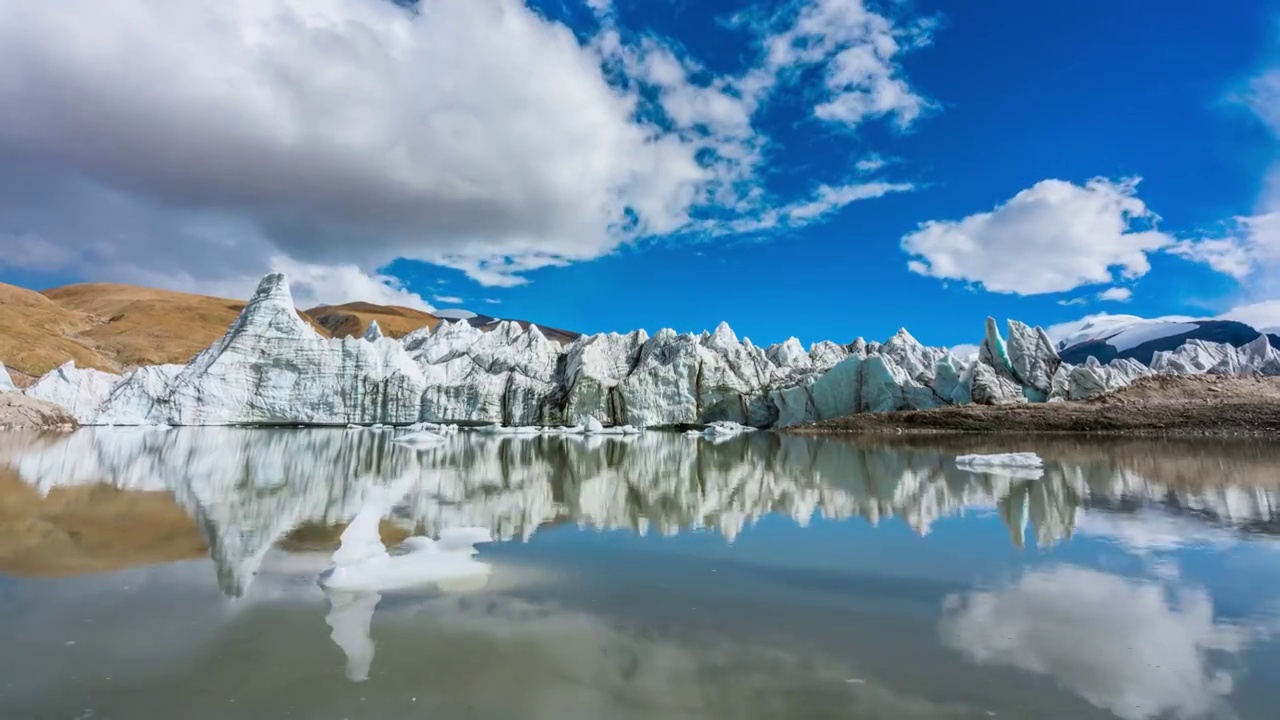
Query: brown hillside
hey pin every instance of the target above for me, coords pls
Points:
(119, 327)
(36, 333)
(352, 319)
(109, 327)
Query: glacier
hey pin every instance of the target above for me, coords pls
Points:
(272, 368)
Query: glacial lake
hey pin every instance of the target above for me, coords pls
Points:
(158, 574)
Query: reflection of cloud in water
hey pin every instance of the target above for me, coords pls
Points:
(1135, 648)
(1148, 530)
(506, 657)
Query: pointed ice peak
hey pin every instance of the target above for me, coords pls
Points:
(1258, 347)
(992, 351)
(269, 312)
(902, 337)
(536, 332)
(456, 329)
(273, 288)
(789, 353)
(723, 337)
(6, 383)
(373, 333)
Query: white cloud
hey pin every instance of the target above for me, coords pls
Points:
(1248, 249)
(1263, 315)
(965, 351)
(825, 201)
(310, 284)
(1250, 244)
(871, 163)
(859, 50)
(448, 300)
(1134, 648)
(209, 138)
(1052, 237)
(1116, 294)
(493, 301)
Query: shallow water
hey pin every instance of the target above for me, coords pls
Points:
(162, 574)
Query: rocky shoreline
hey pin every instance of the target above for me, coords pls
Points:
(1196, 406)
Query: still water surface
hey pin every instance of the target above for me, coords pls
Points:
(172, 574)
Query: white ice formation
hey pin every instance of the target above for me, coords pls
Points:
(362, 563)
(1016, 459)
(273, 368)
(6, 382)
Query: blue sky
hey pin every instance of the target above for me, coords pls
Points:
(657, 163)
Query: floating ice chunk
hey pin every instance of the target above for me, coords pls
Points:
(570, 430)
(362, 564)
(592, 426)
(1001, 460)
(420, 439)
(510, 430)
(431, 427)
(353, 426)
(693, 433)
(726, 428)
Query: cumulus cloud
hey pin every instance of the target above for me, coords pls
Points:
(1138, 649)
(207, 140)
(1263, 315)
(1116, 294)
(1247, 248)
(1052, 237)
(1249, 245)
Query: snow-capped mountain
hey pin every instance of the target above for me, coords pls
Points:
(1130, 337)
(272, 367)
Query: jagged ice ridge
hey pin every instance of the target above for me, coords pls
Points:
(271, 367)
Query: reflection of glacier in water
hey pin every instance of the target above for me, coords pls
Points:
(248, 488)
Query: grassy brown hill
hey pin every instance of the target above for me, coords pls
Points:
(117, 327)
(352, 319)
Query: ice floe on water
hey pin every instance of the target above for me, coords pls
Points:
(421, 439)
(362, 563)
(1001, 460)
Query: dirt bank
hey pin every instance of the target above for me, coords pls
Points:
(1151, 406)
